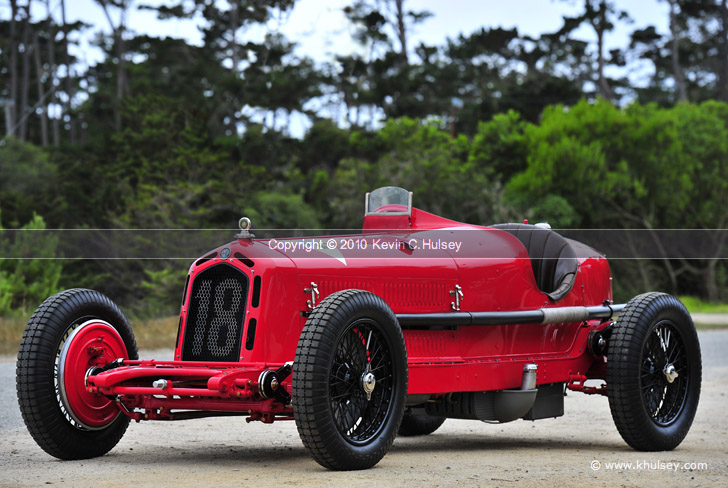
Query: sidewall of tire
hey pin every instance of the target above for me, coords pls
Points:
(627, 343)
(35, 384)
(312, 407)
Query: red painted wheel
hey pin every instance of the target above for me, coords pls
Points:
(92, 344)
(69, 335)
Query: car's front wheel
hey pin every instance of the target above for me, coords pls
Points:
(69, 335)
(349, 380)
(653, 372)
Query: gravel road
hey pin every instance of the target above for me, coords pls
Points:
(225, 452)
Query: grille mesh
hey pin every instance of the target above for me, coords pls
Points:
(215, 318)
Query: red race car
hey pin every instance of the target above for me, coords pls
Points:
(359, 338)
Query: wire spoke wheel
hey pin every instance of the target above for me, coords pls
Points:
(361, 349)
(349, 380)
(653, 372)
(663, 395)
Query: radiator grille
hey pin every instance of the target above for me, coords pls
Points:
(216, 315)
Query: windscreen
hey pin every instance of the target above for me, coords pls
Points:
(386, 196)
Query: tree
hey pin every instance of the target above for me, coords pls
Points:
(495, 70)
(387, 22)
(223, 31)
(675, 50)
(708, 23)
(385, 79)
(644, 168)
(51, 30)
(28, 74)
(13, 68)
(25, 82)
(278, 81)
(25, 280)
(601, 16)
(423, 159)
(117, 32)
(692, 62)
(499, 147)
(68, 79)
(27, 179)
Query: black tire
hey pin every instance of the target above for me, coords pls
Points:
(414, 425)
(339, 426)
(652, 409)
(48, 422)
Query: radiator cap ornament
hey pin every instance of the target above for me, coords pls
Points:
(245, 226)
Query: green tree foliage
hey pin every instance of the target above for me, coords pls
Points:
(499, 147)
(162, 291)
(423, 159)
(24, 281)
(27, 177)
(691, 63)
(644, 167)
(280, 211)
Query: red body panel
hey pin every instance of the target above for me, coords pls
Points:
(469, 358)
(495, 274)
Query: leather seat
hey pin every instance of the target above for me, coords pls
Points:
(553, 259)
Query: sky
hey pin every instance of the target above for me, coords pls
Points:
(321, 30)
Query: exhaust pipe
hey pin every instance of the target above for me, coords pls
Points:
(529, 377)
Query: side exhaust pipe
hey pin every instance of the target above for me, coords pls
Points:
(529, 377)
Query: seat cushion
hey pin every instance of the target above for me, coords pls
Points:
(553, 260)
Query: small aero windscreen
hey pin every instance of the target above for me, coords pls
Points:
(388, 200)
(215, 317)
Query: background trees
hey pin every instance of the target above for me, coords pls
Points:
(491, 125)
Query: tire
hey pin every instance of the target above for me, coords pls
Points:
(339, 426)
(653, 409)
(414, 425)
(66, 421)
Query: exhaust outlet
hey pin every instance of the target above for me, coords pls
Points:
(529, 377)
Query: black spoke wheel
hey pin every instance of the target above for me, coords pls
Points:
(664, 349)
(654, 372)
(55, 353)
(359, 417)
(349, 380)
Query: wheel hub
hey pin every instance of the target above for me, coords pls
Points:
(368, 382)
(670, 372)
(91, 345)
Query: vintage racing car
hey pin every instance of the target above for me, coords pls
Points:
(359, 338)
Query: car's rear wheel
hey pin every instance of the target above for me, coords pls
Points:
(69, 334)
(653, 372)
(349, 380)
(414, 425)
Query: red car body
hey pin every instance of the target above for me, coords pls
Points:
(474, 358)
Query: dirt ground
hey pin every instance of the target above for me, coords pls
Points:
(574, 450)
